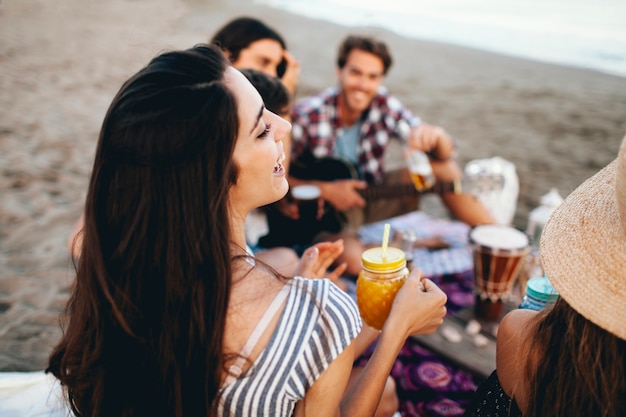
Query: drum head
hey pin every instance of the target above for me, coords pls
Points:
(498, 239)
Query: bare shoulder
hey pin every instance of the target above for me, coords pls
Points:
(512, 350)
(514, 325)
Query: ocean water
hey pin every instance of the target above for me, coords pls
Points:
(580, 33)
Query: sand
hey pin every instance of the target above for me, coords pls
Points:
(61, 63)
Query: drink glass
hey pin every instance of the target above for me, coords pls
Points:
(307, 198)
(408, 246)
(420, 170)
(380, 279)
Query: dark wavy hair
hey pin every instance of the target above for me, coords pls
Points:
(367, 44)
(144, 323)
(239, 33)
(578, 368)
(275, 95)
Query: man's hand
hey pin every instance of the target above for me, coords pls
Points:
(433, 140)
(343, 194)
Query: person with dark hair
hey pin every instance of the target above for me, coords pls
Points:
(355, 123)
(569, 360)
(277, 100)
(366, 44)
(250, 43)
(275, 95)
(169, 314)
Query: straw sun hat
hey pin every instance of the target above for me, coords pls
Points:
(583, 247)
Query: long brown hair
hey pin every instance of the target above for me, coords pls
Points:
(581, 369)
(146, 315)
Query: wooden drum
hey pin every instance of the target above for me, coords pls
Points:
(499, 253)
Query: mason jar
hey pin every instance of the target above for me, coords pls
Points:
(381, 277)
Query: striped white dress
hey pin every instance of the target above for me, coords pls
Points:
(319, 321)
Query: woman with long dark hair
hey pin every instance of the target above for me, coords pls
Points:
(169, 314)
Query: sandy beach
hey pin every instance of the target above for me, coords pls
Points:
(62, 62)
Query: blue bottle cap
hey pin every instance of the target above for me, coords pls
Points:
(540, 288)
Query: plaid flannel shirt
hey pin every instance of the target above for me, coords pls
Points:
(316, 126)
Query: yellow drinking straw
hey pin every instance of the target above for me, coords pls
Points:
(385, 240)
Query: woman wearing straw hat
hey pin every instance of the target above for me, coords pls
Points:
(570, 359)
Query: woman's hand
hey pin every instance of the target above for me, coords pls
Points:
(419, 307)
(316, 260)
(292, 73)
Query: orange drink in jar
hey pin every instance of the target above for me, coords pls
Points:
(380, 279)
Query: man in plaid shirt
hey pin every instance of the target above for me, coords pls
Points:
(356, 122)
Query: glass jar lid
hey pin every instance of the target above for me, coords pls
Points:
(373, 260)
